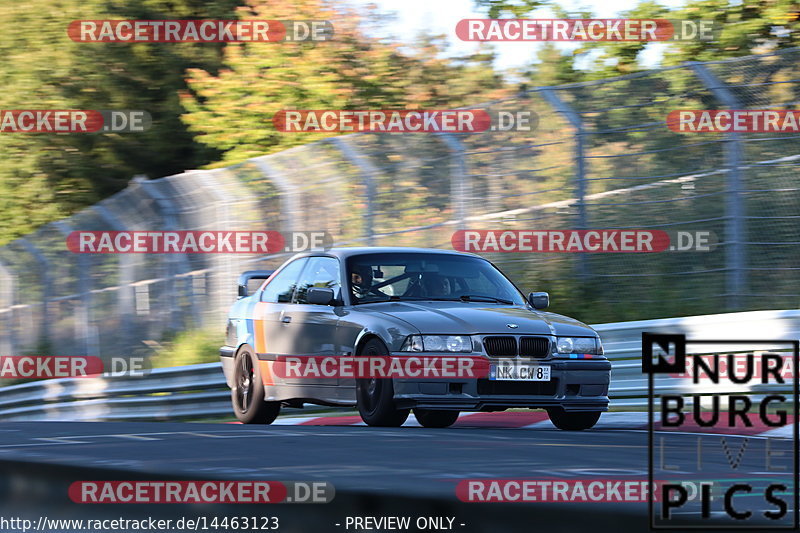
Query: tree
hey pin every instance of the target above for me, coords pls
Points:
(740, 29)
(47, 176)
(743, 28)
(514, 8)
(232, 110)
(552, 67)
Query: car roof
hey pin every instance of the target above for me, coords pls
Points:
(364, 250)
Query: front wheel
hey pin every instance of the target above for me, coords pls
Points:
(431, 418)
(247, 394)
(573, 421)
(375, 396)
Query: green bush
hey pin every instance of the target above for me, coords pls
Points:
(189, 348)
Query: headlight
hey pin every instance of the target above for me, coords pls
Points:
(230, 334)
(413, 344)
(437, 343)
(579, 345)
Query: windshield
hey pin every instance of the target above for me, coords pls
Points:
(421, 276)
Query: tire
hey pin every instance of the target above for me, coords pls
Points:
(375, 396)
(573, 421)
(431, 418)
(247, 394)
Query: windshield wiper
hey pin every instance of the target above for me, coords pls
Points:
(420, 299)
(478, 298)
(397, 298)
(463, 298)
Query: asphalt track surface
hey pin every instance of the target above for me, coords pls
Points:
(409, 462)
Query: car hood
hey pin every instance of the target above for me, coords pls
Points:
(460, 318)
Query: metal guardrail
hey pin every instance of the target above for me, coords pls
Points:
(184, 392)
(623, 343)
(199, 391)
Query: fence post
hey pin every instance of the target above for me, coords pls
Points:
(125, 297)
(288, 190)
(575, 121)
(460, 182)
(7, 289)
(170, 216)
(85, 333)
(368, 172)
(735, 281)
(227, 266)
(47, 286)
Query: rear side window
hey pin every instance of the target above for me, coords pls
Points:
(321, 272)
(281, 287)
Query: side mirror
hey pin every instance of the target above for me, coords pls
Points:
(319, 295)
(242, 291)
(539, 300)
(245, 278)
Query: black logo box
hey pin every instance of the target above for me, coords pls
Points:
(677, 366)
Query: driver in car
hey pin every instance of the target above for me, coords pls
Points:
(361, 280)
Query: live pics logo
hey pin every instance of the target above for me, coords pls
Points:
(727, 423)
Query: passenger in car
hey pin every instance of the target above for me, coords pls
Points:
(436, 286)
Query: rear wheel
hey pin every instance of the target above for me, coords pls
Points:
(573, 421)
(431, 418)
(247, 394)
(375, 396)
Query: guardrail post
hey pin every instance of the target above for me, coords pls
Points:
(8, 345)
(460, 182)
(85, 333)
(575, 121)
(368, 172)
(735, 282)
(47, 286)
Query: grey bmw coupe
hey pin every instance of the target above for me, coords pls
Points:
(341, 305)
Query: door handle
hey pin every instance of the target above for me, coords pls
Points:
(286, 319)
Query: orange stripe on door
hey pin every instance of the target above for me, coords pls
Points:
(266, 372)
(260, 335)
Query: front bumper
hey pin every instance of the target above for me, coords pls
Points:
(574, 386)
(226, 354)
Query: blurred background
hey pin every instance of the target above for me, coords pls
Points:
(600, 156)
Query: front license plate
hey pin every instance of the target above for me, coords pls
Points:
(517, 371)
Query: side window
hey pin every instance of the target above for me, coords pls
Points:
(320, 272)
(281, 287)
